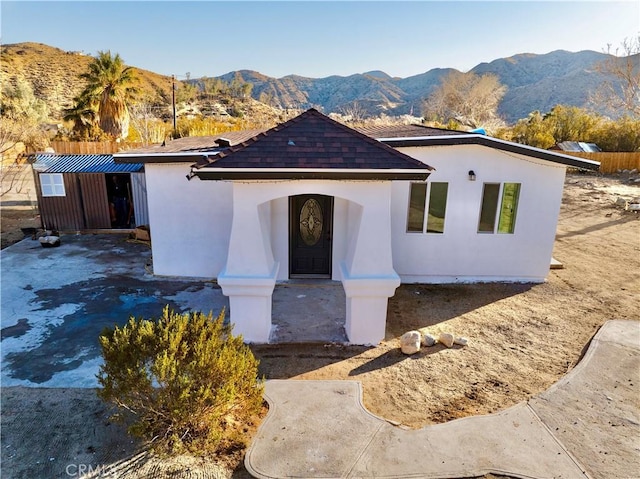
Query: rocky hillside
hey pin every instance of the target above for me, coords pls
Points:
(539, 82)
(535, 82)
(54, 74)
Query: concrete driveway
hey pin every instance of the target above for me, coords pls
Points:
(56, 301)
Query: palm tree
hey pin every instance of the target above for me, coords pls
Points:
(111, 85)
(84, 116)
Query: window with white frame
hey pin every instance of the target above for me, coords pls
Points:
(429, 198)
(499, 202)
(52, 184)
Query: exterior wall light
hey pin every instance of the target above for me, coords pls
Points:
(472, 175)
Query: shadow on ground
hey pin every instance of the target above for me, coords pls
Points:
(416, 306)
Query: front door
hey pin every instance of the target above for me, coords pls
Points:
(310, 225)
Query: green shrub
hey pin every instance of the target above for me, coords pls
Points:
(190, 384)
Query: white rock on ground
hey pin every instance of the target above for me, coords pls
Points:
(410, 342)
(461, 341)
(446, 339)
(428, 340)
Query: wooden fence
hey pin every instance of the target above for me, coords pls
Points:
(611, 162)
(91, 147)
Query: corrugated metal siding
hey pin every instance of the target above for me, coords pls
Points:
(139, 193)
(86, 204)
(94, 200)
(62, 212)
(85, 164)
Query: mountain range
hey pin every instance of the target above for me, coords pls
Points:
(534, 82)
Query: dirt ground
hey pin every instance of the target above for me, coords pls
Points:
(522, 339)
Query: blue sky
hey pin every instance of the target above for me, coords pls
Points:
(318, 38)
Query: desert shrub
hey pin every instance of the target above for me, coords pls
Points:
(188, 384)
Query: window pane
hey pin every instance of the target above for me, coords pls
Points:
(47, 190)
(489, 207)
(437, 207)
(417, 197)
(52, 184)
(509, 207)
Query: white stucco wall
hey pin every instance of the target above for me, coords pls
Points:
(190, 221)
(348, 195)
(462, 254)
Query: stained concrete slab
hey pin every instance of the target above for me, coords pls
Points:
(56, 301)
(318, 429)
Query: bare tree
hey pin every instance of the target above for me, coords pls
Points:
(149, 128)
(469, 99)
(16, 178)
(353, 113)
(622, 92)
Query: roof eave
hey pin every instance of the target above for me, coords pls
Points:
(161, 157)
(222, 174)
(510, 147)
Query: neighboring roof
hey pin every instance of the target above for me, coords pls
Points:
(475, 139)
(82, 164)
(311, 146)
(403, 131)
(188, 149)
(577, 146)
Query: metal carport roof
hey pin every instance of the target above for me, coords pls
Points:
(85, 164)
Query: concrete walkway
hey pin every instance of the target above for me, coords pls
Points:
(587, 425)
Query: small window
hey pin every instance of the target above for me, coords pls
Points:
(52, 184)
(435, 207)
(417, 197)
(508, 207)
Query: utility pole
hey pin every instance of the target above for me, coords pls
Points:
(173, 91)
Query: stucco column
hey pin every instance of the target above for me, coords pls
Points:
(368, 276)
(367, 300)
(249, 276)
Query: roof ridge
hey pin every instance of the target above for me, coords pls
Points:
(311, 112)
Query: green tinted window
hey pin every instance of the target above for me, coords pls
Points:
(417, 197)
(509, 207)
(437, 207)
(489, 207)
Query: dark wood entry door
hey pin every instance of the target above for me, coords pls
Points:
(310, 227)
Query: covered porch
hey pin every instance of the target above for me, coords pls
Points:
(260, 254)
(311, 199)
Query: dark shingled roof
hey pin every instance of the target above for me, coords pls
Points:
(190, 149)
(311, 142)
(184, 149)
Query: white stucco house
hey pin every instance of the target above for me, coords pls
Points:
(373, 208)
